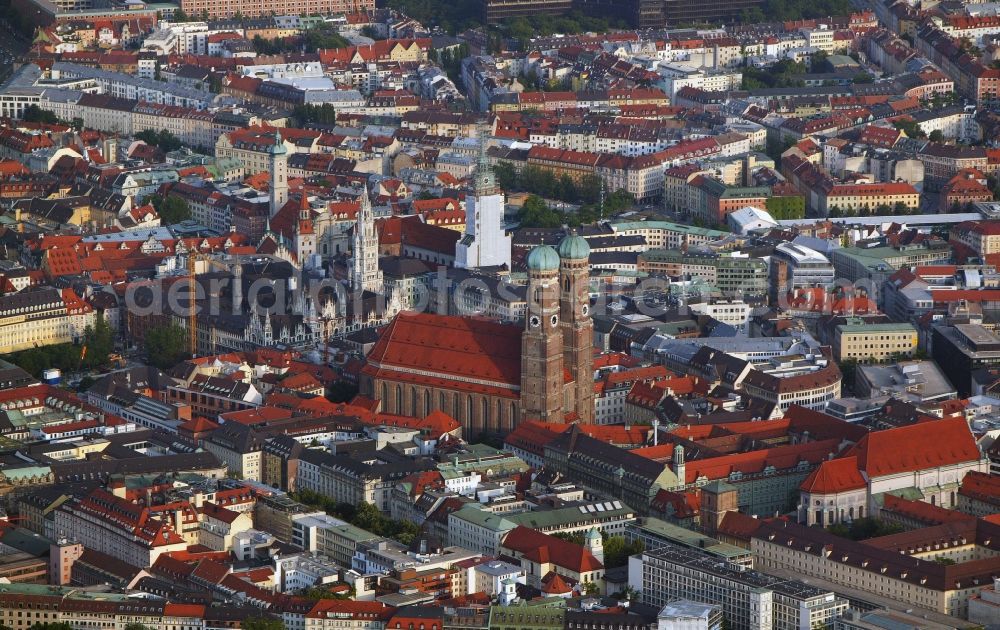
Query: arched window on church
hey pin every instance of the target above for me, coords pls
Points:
(500, 416)
(566, 284)
(399, 399)
(513, 416)
(414, 401)
(385, 393)
(468, 410)
(427, 402)
(456, 409)
(486, 414)
(442, 402)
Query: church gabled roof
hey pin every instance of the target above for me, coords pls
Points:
(920, 446)
(464, 348)
(916, 447)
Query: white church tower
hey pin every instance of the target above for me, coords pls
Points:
(365, 272)
(278, 156)
(486, 242)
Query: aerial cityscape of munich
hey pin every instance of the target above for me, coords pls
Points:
(500, 315)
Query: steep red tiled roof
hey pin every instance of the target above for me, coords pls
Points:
(916, 447)
(787, 456)
(62, 262)
(458, 347)
(532, 436)
(835, 475)
(219, 513)
(544, 549)
(210, 571)
(739, 526)
(129, 517)
(258, 416)
(416, 233)
(184, 610)
(197, 425)
(922, 511)
(300, 382)
(679, 504)
(434, 425)
(822, 426)
(981, 487)
(554, 584)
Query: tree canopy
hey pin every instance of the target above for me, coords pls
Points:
(172, 209)
(166, 346)
(324, 114)
(536, 213)
(262, 623)
(364, 515)
(451, 15)
(34, 113)
(317, 37)
(68, 357)
(574, 22)
(617, 551)
(544, 183)
(864, 528)
(100, 342)
(789, 10)
(909, 127)
(162, 139)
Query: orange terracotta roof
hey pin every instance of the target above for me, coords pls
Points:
(835, 475)
(257, 416)
(554, 584)
(916, 447)
(981, 486)
(923, 511)
(781, 457)
(451, 346)
(543, 549)
(198, 425)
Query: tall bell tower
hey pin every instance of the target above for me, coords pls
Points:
(278, 161)
(542, 375)
(576, 325)
(365, 272)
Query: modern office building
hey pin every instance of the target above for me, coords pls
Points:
(750, 600)
(962, 349)
(680, 12)
(497, 11)
(795, 266)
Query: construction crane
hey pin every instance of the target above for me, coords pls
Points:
(193, 259)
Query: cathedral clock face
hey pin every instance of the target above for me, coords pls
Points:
(534, 321)
(554, 319)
